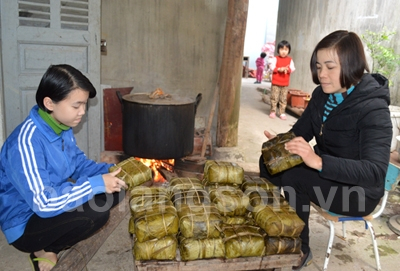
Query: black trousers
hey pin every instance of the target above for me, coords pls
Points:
(57, 233)
(302, 185)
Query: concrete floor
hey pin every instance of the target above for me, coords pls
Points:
(354, 253)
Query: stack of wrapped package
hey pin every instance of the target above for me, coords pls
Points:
(222, 181)
(199, 220)
(154, 220)
(154, 223)
(226, 215)
(274, 215)
(242, 238)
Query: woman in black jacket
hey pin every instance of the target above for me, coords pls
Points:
(348, 115)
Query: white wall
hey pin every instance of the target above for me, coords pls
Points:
(261, 27)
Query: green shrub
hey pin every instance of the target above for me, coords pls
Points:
(385, 60)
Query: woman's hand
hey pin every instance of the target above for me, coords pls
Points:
(112, 183)
(301, 147)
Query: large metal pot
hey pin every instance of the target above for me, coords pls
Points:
(158, 128)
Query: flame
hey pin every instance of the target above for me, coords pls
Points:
(156, 164)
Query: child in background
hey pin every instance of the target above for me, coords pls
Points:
(260, 68)
(282, 66)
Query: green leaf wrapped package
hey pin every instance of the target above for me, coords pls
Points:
(194, 196)
(229, 200)
(237, 220)
(243, 241)
(156, 249)
(258, 197)
(156, 221)
(199, 221)
(278, 220)
(222, 173)
(133, 172)
(194, 249)
(184, 183)
(131, 226)
(282, 245)
(142, 197)
(276, 157)
(258, 183)
(157, 191)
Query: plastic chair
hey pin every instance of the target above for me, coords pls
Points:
(390, 184)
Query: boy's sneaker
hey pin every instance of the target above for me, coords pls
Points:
(283, 117)
(272, 115)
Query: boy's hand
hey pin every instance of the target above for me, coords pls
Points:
(113, 183)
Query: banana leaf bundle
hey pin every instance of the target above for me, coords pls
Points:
(282, 245)
(142, 197)
(229, 200)
(238, 220)
(243, 241)
(131, 227)
(156, 221)
(133, 172)
(251, 182)
(156, 249)
(276, 157)
(199, 221)
(195, 249)
(195, 196)
(222, 173)
(139, 191)
(279, 221)
(259, 197)
(184, 183)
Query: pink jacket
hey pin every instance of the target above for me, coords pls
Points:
(260, 62)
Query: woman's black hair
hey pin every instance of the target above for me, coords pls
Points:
(350, 51)
(58, 81)
(263, 54)
(282, 44)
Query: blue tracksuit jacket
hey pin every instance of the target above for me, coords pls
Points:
(43, 173)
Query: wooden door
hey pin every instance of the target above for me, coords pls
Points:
(38, 33)
(113, 118)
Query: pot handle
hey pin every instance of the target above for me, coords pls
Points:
(198, 99)
(119, 95)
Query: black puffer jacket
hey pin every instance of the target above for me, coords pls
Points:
(354, 141)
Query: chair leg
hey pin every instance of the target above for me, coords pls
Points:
(344, 229)
(375, 244)
(330, 242)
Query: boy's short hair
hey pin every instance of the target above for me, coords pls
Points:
(58, 81)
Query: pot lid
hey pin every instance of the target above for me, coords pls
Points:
(143, 98)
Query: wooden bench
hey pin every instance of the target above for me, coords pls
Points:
(282, 262)
(77, 257)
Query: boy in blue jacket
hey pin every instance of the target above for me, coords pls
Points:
(51, 195)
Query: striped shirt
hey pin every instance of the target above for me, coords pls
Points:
(334, 100)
